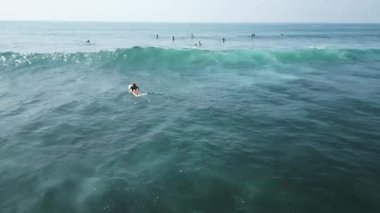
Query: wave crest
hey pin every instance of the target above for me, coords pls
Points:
(157, 58)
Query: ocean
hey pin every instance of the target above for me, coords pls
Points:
(285, 120)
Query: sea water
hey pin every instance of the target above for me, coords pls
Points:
(285, 121)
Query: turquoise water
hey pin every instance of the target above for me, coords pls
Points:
(271, 124)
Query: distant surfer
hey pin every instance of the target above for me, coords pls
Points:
(198, 44)
(134, 89)
(173, 38)
(253, 35)
(156, 36)
(88, 42)
(223, 39)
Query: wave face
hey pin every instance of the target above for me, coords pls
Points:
(186, 59)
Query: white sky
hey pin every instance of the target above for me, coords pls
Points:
(193, 10)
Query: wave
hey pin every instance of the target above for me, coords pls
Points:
(152, 58)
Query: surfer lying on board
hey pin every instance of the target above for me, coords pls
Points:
(135, 90)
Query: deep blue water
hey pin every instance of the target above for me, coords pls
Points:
(277, 123)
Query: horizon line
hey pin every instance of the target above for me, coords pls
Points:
(184, 22)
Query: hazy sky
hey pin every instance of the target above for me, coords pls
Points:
(193, 10)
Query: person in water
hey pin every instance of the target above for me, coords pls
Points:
(134, 88)
(173, 38)
(88, 42)
(223, 39)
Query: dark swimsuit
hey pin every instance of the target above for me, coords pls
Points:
(134, 87)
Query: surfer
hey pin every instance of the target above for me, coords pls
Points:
(88, 42)
(156, 36)
(223, 39)
(134, 89)
(173, 38)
